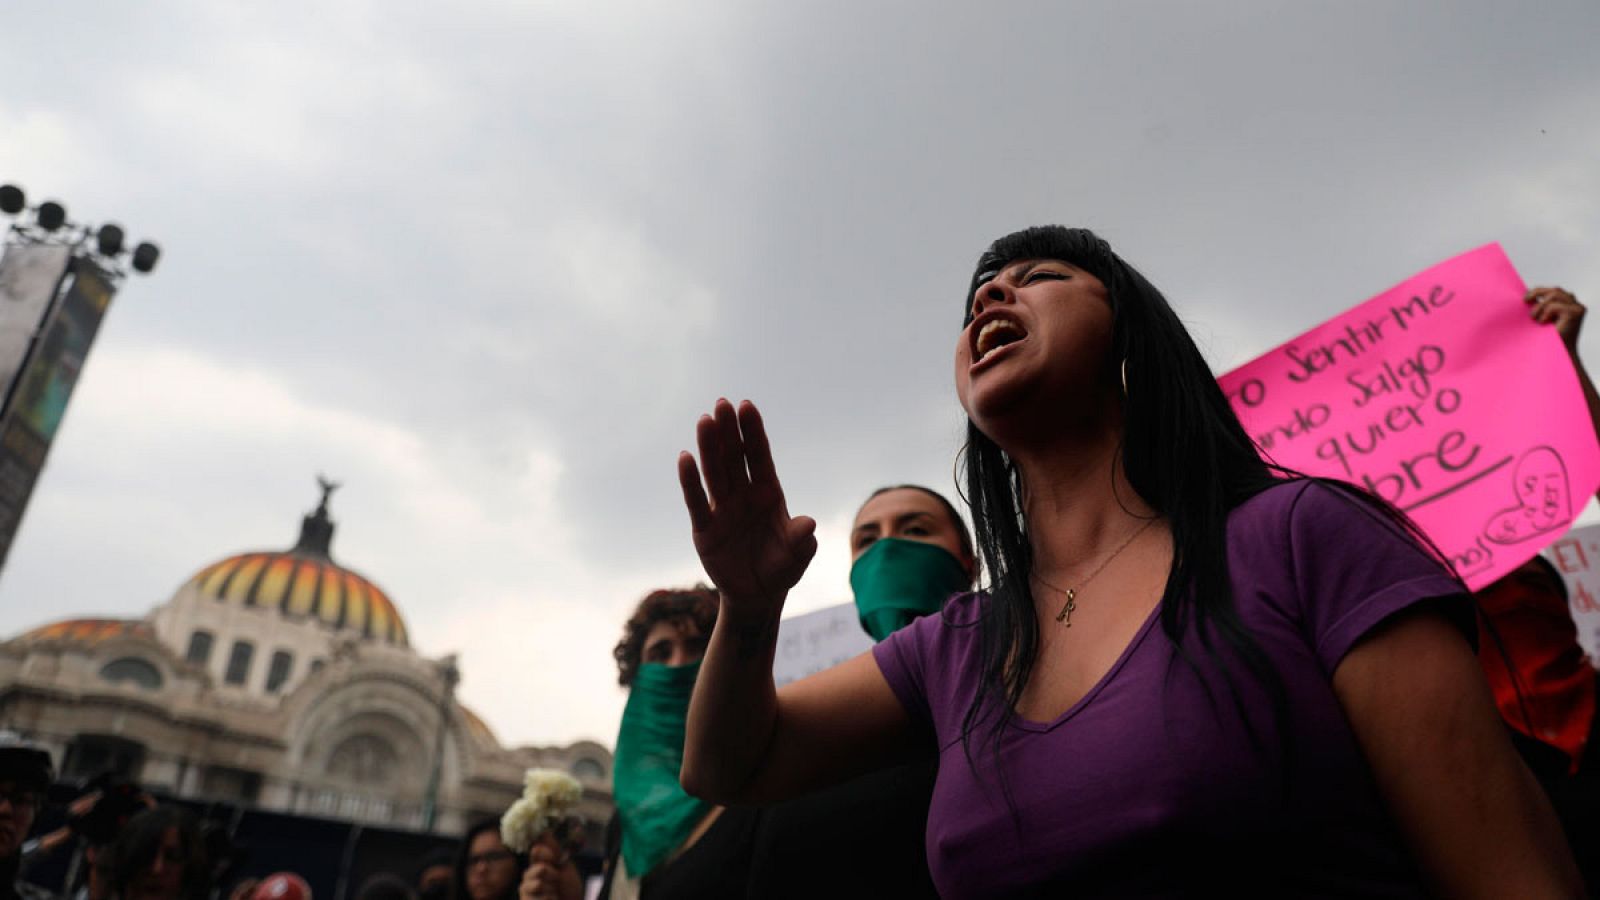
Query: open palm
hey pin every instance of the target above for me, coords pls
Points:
(750, 546)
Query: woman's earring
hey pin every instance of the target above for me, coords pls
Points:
(1124, 378)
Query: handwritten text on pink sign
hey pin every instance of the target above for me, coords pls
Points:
(1444, 397)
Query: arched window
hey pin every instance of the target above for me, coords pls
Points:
(134, 669)
(365, 759)
(278, 671)
(199, 648)
(588, 768)
(239, 662)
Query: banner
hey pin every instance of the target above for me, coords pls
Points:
(819, 640)
(1444, 397)
(29, 277)
(1577, 556)
(43, 389)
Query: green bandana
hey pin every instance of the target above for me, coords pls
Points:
(656, 813)
(898, 580)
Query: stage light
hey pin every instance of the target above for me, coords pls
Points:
(12, 200)
(48, 224)
(109, 239)
(51, 215)
(145, 256)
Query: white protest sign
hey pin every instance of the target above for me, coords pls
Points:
(1577, 556)
(818, 640)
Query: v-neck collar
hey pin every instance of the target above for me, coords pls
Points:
(1138, 638)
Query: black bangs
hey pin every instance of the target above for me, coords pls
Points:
(1078, 246)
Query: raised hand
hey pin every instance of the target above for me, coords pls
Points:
(750, 546)
(1557, 306)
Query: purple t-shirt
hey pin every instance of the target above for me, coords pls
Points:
(1152, 785)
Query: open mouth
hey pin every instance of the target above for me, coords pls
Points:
(996, 333)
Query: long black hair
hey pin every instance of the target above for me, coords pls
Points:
(1183, 451)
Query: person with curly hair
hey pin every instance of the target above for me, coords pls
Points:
(669, 628)
(662, 843)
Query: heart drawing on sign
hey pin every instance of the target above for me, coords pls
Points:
(1544, 499)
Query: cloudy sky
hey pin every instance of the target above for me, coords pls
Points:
(486, 262)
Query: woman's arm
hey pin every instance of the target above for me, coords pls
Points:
(746, 742)
(1557, 306)
(826, 729)
(1477, 821)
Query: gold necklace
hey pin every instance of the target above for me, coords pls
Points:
(1067, 609)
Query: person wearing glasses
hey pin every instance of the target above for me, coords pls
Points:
(486, 869)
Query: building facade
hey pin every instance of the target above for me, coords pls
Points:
(278, 680)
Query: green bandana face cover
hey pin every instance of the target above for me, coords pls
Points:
(897, 580)
(657, 815)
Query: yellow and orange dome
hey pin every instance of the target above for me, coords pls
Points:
(304, 585)
(88, 631)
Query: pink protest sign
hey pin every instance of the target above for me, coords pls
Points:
(1444, 397)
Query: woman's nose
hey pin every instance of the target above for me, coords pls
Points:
(989, 294)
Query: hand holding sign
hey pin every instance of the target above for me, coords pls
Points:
(1445, 397)
(1555, 306)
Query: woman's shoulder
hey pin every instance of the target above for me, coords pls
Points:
(954, 625)
(963, 610)
(1281, 498)
(931, 663)
(1332, 558)
(1308, 528)
(1318, 500)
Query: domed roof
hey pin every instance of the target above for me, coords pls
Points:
(477, 726)
(87, 631)
(304, 582)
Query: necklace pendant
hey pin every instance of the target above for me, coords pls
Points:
(1065, 616)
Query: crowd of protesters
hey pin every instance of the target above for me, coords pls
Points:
(1191, 672)
(1187, 671)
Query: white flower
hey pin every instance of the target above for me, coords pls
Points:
(561, 789)
(548, 797)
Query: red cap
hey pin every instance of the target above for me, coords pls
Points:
(282, 886)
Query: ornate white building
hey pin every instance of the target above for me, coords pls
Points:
(280, 680)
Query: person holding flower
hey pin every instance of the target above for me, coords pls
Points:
(542, 827)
